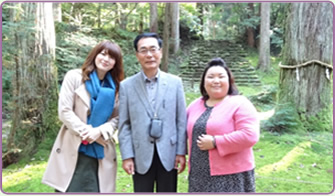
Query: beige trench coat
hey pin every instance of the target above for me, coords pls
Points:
(73, 109)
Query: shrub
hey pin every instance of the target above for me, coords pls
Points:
(285, 119)
(321, 122)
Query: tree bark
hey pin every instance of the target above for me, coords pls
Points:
(123, 15)
(153, 17)
(141, 24)
(35, 85)
(308, 36)
(264, 49)
(175, 41)
(166, 37)
(99, 15)
(250, 30)
(57, 10)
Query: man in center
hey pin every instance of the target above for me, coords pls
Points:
(152, 121)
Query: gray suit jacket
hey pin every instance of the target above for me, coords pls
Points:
(135, 118)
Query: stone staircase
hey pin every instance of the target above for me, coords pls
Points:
(232, 53)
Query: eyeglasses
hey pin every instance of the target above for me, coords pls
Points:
(153, 50)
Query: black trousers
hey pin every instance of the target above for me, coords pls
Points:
(165, 181)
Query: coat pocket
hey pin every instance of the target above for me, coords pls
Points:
(173, 139)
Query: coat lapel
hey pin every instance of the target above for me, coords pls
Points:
(84, 95)
(142, 93)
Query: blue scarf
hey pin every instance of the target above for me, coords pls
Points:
(102, 105)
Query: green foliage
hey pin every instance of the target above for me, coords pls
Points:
(321, 122)
(30, 96)
(125, 40)
(72, 48)
(189, 18)
(6, 91)
(10, 33)
(50, 121)
(249, 90)
(266, 99)
(310, 171)
(285, 119)
(294, 163)
(276, 39)
(252, 22)
(191, 96)
(306, 168)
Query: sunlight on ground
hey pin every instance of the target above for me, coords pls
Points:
(286, 161)
(266, 115)
(27, 173)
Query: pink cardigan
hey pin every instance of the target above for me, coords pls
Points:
(235, 125)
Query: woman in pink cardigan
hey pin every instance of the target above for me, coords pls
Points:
(222, 127)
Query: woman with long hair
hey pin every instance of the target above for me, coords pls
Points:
(83, 157)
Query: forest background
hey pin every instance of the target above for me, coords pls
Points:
(281, 55)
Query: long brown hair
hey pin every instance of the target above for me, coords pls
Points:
(114, 51)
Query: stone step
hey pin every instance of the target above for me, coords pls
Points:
(247, 84)
(202, 65)
(254, 77)
(233, 54)
(195, 85)
(247, 80)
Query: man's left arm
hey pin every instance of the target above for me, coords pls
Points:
(181, 128)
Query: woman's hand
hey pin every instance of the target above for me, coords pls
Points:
(91, 135)
(205, 142)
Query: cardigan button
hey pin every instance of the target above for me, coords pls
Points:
(58, 150)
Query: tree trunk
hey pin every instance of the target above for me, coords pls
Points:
(264, 49)
(99, 15)
(213, 22)
(174, 10)
(153, 17)
(35, 106)
(200, 9)
(141, 25)
(308, 37)
(166, 37)
(250, 30)
(57, 10)
(123, 16)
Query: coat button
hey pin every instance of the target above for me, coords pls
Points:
(88, 112)
(114, 159)
(58, 150)
(152, 142)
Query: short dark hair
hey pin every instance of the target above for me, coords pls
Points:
(218, 62)
(146, 35)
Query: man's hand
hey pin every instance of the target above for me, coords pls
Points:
(128, 166)
(180, 163)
